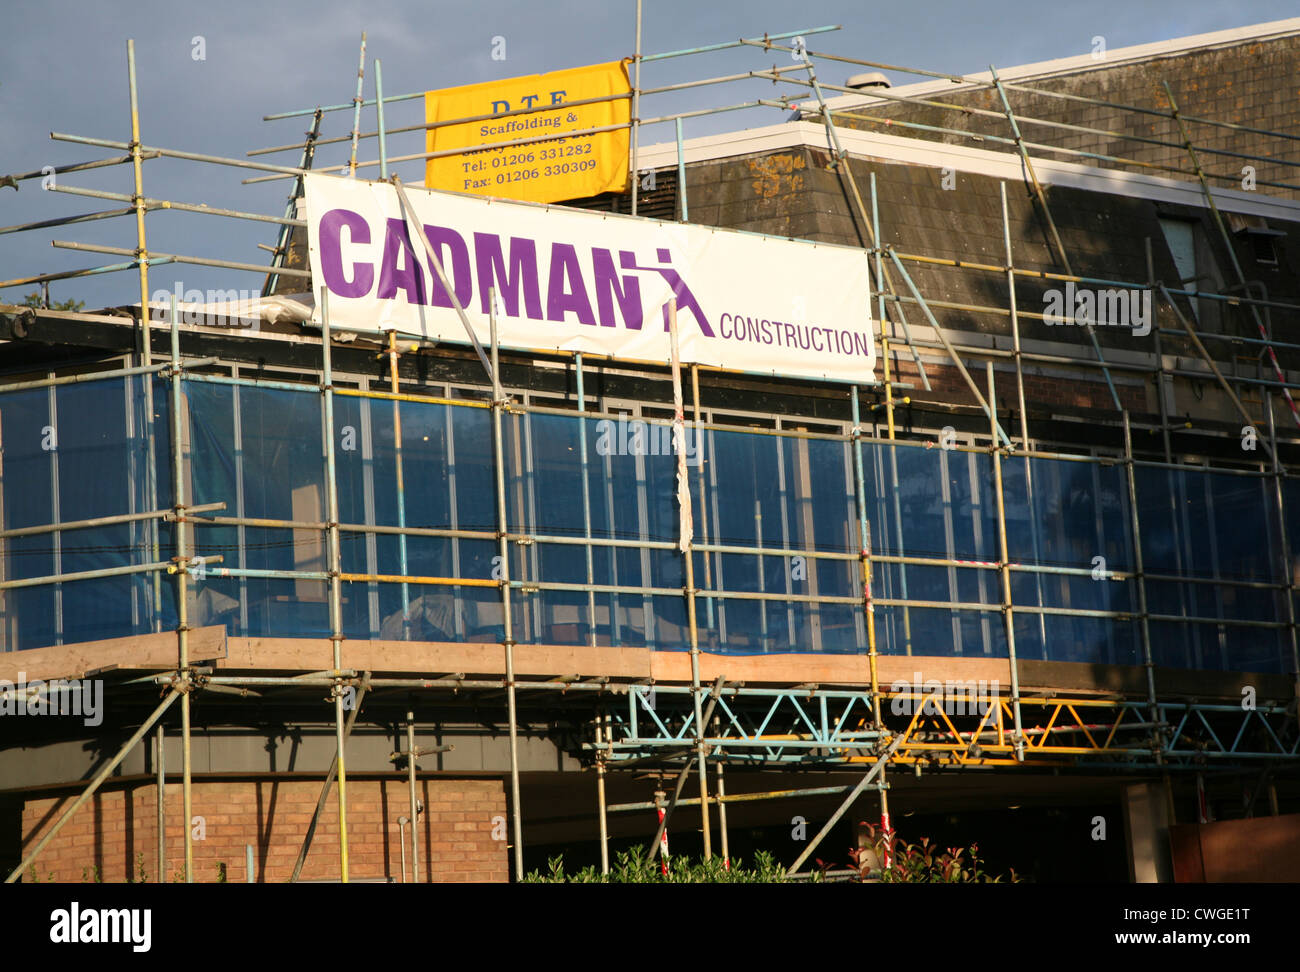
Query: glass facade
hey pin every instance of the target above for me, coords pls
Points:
(776, 523)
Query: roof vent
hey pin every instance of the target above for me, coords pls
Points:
(867, 81)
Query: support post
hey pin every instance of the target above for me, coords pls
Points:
(499, 403)
(335, 568)
(329, 782)
(685, 542)
(601, 804)
(1139, 574)
(704, 506)
(137, 201)
(586, 505)
(868, 607)
(356, 108)
(182, 590)
(160, 768)
(415, 803)
(722, 800)
(1015, 320)
(681, 779)
(399, 478)
(868, 778)
(379, 112)
(681, 175)
(1004, 572)
(636, 108)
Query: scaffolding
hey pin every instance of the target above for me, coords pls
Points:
(807, 725)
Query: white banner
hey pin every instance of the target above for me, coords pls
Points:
(592, 282)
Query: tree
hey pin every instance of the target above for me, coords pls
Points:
(35, 299)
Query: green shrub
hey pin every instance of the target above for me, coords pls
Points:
(631, 867)
(920, 863)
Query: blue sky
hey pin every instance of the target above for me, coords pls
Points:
(65, 70)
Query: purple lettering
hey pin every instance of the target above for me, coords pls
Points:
(561, 300)
(401, 268)
(608, 289)
(522, 272)
(444, 240)
(331, 253)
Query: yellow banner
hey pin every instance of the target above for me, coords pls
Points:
(554, 170)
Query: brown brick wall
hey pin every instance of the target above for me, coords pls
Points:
(1042, 393)
(456, 831)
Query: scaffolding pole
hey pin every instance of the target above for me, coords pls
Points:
(329, 782)
(1227, 245)
(686, 542)
(1037, 189)
(335, 569)
(160, 770)
(877, 768)
(1004, 570)
(94, 784)
(500, 404)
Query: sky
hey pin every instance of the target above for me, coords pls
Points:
(65, 70)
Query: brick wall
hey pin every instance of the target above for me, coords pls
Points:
(1043, 393)
(116, 831)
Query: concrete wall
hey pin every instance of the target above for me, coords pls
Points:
(461, 833)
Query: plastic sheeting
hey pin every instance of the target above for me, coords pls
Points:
(83, 450)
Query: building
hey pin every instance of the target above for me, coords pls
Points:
(1076, 460)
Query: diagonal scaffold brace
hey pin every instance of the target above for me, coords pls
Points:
(876, 769)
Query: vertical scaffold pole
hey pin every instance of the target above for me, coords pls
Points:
(1015, 320)
(1020, 401)
(600, 793)
(393, 354)
(889, 410)
(1140, 576)
(356, 110)
(182, 590)
(686, 545)
(335, 568)
(868, 608)
(722, 800)
(1004, 570)
(143, 348)
(704, 505)
(1037, 189)
(137, 169)
(414, 799)
(160, 768)
(681, 174)
(636, 108)
(586, 505)
(503, 550)
(379, 112)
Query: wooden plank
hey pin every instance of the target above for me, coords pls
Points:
(150, 652)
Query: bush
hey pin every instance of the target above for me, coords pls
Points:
(631, 867)
(920, 863)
